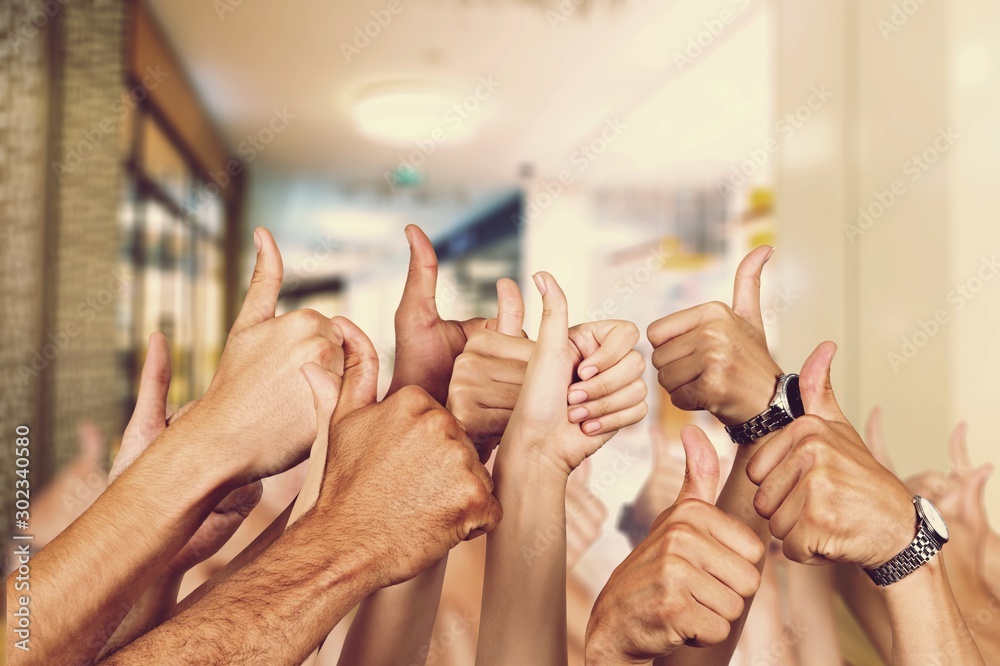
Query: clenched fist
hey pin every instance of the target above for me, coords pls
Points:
(401, 476)
(822, 490)
(714, 357)
(686, 582)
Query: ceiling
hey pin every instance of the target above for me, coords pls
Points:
(556, 84)
(556, 81)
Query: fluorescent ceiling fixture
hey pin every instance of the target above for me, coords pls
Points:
(418, 115)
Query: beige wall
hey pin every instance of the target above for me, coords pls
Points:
(896, 91)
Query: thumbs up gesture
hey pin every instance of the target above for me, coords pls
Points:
(258, 409)
(491, 370)
(539, 425)
(686, 582)
(400, 477)
(825, 495)
(714, 357)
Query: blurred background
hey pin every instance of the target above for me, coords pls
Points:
(635, 149)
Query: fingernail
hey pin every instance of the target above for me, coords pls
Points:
(576, 397)
(766, 259)
(409, 238)
(256, 241)
(539, 282)
(577, 415)
(590, 427)
(587, 372)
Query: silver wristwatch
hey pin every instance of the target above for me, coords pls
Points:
(785, 408)
(932, 535)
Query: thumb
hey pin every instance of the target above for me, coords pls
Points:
(973, 495)
(701, 472)
(958, 449)
(150, 416)
(553, 332)
(419, 292)
(816, 387)
(746, 291)
(359, 387)
(325, 393)
(510, 308)
(265, 285)
(875, 439)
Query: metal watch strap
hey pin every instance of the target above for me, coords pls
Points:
(920, 551)
(775, 418)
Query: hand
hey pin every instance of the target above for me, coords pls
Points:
(715, 358)
(150, 419)
(490, 372)
(539, 426)
(402, 479)
(426, 345)
(585, 516)
(258, 407)
(684, 584)
(825, 495)
(959, 496)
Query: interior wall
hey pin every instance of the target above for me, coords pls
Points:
(973, 96)
(884, 206)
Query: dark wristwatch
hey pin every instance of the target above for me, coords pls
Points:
(932, 535)
(628, 526)
(785, 408)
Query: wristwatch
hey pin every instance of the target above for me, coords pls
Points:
(628, 526)
(785, 408)
(932, 535)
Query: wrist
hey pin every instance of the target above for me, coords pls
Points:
(755, 401)
(351, 561)
(187, 453)
(528, 460)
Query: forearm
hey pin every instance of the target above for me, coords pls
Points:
(811, 611)
(403, 612)
(113, 552)
(276, 609)
(152, 608)
(736, 500)
(246, 556)
(927, 625)
(406, 612)
(867, 605)
(524, 592)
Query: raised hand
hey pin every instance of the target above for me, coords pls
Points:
(539, 426)
(974, 548)
(822, 490)
(426, 345)
(490, 372)
(148, 420)
(258, 406)
(401, 478)
(714, 357)
(685, 583)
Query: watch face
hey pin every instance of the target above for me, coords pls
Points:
(793, 396)
(932, 517)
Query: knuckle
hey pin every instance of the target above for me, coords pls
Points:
(718, 310)
(413, 397)
(307, 319)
